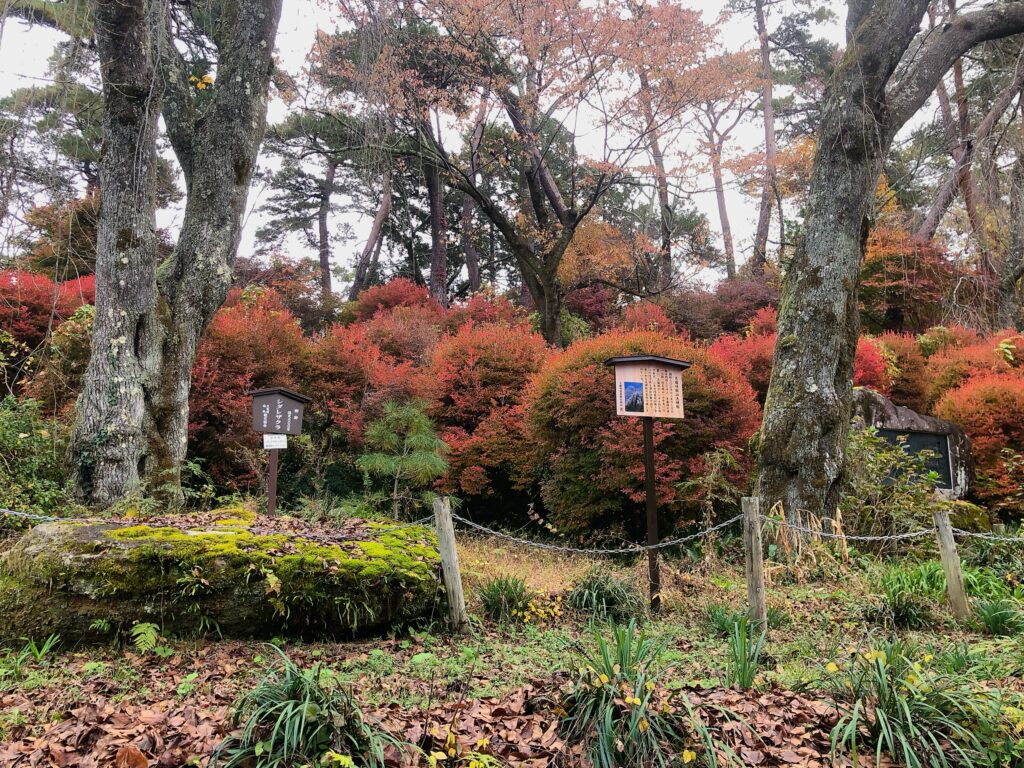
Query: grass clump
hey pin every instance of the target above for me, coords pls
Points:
(892, 699)
(505, 598)
(293, 717)
(604, 595)
(744, 658)
(1001, 617)
(619, 710)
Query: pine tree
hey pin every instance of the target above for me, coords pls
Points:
(407, 453)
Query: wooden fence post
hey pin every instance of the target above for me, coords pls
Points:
(951, 565)
(450, 562)
(754, 559)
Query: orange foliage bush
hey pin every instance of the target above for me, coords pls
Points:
(990, 408)
(407, 332)
(478, 376)
(32, 305)
(871, 366)
(352, 378)
(589, 462)
(645, 316)
(255, 343)
(400, 292)
(751, 355)
(910, 384)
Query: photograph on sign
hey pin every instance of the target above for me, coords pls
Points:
(271, 441)
(634, 393)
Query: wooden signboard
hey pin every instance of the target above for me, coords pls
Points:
(278, 411)
(649, 386)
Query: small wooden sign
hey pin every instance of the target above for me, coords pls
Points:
(278, 411)
(647, 385)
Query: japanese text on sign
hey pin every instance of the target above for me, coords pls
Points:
(649, 389)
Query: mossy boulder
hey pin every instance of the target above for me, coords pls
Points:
(242, 576)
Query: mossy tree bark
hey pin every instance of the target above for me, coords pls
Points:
(132, 423)
(110, 430)
(885, 75)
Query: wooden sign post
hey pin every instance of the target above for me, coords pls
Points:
(649, 387)
(277, 413)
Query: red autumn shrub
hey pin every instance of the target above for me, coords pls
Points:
(739, 299)
(400, 292)
(990, 408)
(407, 333)
(484, 307)
(645, 316)
(479, 376)
(871, 366)
(590, 462)
(32, 305)
(596, 304)
(751, 355)
(352, 378)
(955, 365)
(939, 338)
(763, 322)
(254, 344)
(909, 370)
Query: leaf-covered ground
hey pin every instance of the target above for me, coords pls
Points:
(495, 690)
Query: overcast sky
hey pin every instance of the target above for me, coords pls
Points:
(23, 61)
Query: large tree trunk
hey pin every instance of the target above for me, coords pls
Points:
(723, 212)
(323, 232)
(438, 234)
(374, 239)
(1012, 267)
(216, 142)
(108, 442)
(807, 412)
(664, 201)
(768, 185)
(469, 244)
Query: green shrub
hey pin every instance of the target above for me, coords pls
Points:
(720, 619)
(293, 717)
(928, 579)
(890, 700)
(901, 609)
(33, 473)
(618, 708)
(886, 490)
(506, 598)
(744, 659)
(1000, 617)
(602, 594)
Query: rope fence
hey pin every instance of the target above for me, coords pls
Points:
(632, 549)
(753, 521)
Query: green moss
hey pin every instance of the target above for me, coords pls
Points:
(245, 583)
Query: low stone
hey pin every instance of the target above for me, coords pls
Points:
(240, 577)
(871, 409)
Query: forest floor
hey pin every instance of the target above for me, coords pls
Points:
(494, 690)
